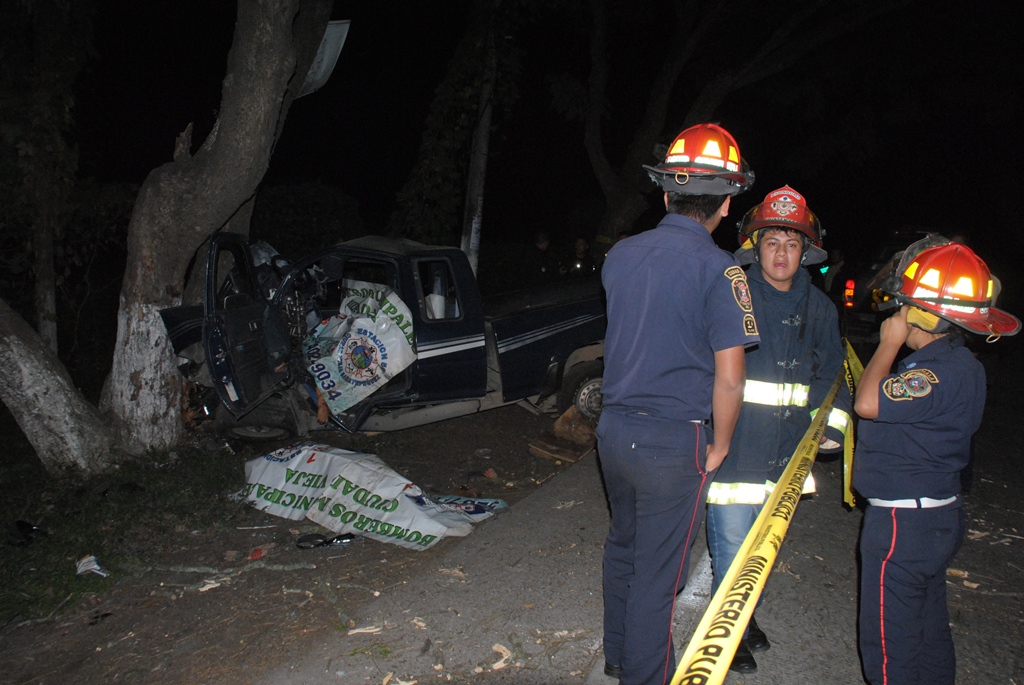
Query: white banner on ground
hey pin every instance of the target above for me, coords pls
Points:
(355, 352)
(351, 492)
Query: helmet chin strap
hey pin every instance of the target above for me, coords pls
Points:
(927, 321)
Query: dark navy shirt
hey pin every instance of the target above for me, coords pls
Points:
(674, 299)
(927, 413)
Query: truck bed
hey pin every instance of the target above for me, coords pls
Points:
(562, 292)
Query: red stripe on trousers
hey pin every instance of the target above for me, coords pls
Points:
(881, 599)
(686, 550)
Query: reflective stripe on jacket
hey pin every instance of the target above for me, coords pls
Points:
(776, 394)
(750, 493)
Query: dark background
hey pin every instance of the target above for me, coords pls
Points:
(909, 121)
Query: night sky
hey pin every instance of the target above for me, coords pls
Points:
(910, 121)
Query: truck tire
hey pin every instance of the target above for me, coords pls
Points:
(270, 421)
(581, 387)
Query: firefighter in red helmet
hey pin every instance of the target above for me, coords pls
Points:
(913, 441)
(788, 375)
(679, 319)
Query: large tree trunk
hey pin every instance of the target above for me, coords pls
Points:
(473, 214)
(49, 167)
(62, 426)
(181, 202)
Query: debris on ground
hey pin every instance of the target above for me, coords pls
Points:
(22, 533)
(505, 653)
(90, 564)
(470, 505)
(311, 540)
(570, 439)
(260, 552)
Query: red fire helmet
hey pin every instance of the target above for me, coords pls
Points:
(954, 283)
(703, 160)
(783, 208)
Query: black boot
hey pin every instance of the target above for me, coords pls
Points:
(743, 661)
(612, 671)
(756, 640)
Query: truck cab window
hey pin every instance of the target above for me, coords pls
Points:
(369, 272)
(440, 299)
(234, 284)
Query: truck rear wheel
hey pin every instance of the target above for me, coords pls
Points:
(581, 387)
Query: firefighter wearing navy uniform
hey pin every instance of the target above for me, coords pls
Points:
(914, 439)
(788, 375)
(679, 318)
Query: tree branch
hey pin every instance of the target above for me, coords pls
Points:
(694, 21)
(783, 53)
(597, 90)
(781, 50)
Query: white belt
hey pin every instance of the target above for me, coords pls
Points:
(919, 503)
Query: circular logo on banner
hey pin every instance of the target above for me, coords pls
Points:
(360, 359)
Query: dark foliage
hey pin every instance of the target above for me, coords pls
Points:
(299, 219)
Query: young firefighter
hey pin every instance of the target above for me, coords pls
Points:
(788, 374)
(914, 439)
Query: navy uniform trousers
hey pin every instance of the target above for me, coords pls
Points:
(904, 621)
(654, 475)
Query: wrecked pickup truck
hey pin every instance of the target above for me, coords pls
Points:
(376, 334)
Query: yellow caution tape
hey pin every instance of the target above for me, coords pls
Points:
(707, 657)
(848, 497)
(854, 366)
(854, 370)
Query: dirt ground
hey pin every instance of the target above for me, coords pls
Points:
(218, 604)
(203, 613)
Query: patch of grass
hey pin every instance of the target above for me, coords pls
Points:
(123, 518)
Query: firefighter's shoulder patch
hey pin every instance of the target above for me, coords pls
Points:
(909, 385)
(749, 325)
(740, 290)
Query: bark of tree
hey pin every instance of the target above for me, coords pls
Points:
(45, 298)
(49, 166)
(182, 201)
(64, 428)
